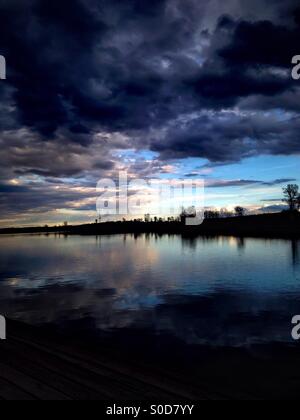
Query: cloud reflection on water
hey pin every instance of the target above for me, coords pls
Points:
(219, 291)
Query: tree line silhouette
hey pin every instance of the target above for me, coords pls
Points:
(291, 198)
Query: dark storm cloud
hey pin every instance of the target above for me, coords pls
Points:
(247, 63)
(86, 77)
(7, 189)
(37, 199)
(44, 43)
(226, 137)
(74, 63)
(23, 153)
(259, 43)
(244, 59)
(68, 61)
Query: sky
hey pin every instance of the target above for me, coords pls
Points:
(167, 89)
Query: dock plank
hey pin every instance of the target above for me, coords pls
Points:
(38, 366)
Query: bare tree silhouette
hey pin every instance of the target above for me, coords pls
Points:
(240, 211)
(291, 196)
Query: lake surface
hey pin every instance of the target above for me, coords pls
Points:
(216, 292)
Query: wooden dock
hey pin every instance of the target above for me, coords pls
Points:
(38, 366)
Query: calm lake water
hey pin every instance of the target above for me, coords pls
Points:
(219, 292)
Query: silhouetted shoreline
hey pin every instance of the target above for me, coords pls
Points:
(279, 225)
